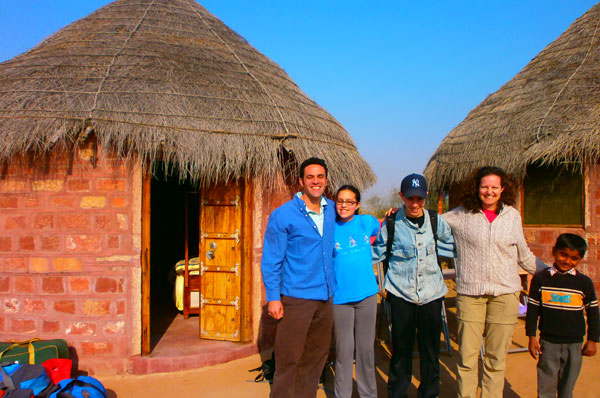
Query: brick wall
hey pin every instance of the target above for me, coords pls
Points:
(541, 239)
(265, 201)
(67, 253)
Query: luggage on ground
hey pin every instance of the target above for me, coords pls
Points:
(32, 379)
(34, 351)
(81, 387)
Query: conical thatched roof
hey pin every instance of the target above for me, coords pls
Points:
(549, 112)
(165, 79)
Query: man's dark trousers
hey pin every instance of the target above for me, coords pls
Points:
(301, 348)
(425, 321)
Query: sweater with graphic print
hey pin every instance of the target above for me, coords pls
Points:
(559, 300)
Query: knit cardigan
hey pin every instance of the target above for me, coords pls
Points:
(489, 254)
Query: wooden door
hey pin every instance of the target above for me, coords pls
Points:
(221, 261)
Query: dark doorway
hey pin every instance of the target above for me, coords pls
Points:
(167, 243)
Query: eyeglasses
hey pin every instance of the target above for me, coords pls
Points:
(345, 202)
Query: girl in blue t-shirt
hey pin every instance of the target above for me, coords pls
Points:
(355, 298)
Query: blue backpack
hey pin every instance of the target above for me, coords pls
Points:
(81, 387)
(16, 377)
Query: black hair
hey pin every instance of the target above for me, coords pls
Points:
(352, 189)
(311, 161)
(571, 241)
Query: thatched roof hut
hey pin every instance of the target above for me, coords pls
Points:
(166, 80)
(89, 240)
(548, 113)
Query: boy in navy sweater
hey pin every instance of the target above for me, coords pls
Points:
(558, 296)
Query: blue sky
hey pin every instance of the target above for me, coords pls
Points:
(399, 75)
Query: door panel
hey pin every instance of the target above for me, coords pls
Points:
(220, 261)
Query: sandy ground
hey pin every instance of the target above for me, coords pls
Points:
(233, 379)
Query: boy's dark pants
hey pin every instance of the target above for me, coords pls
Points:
(426, 321)
(558, 368)
(301, 348)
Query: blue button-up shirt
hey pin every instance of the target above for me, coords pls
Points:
(297, 261)
(413, 273)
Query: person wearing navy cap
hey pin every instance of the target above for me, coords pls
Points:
(415, 288)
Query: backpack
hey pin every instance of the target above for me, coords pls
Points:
(24, 380)
(266, 371)
(390, 223)
(81, 387)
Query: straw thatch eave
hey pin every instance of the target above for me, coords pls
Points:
(166, 80)
(548, 113)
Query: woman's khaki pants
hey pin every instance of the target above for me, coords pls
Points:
(491, 320)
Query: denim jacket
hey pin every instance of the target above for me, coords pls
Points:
(414, 274)
(297, 261)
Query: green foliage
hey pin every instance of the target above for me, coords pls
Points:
(378, 205)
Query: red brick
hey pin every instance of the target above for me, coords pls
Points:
(26, 243)
(120, 307)
(38, 264)
(2, 324)
(547, 237)
(48, 185)
(15, 264)
(5, 244)
(105, 184)
(113, 242)
(102, 221)
(119, 202)
(114, 327)
(51, 326)
(79, 185)
(96, 348)
(53, 284)
(65, 306)
(62, 201)
(23, 326)
(24, 284)
(8, 202)
(45, 220)
(74, 221)
(122, 221)
(592, 239)
(12, 305)
(34, 306)
(32, 202)
(106, 285)
(84, 243)
(67, 264)
(50, 242)
(15, 222)
(81, 328)
(96, 307)
(4, 284)
(80, 285)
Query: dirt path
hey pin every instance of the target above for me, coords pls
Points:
(233, 379)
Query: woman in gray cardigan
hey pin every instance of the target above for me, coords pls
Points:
(490, 248)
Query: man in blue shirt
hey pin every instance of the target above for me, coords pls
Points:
(297, 269)
(415, 289)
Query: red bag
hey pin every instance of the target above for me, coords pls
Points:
(58, 369)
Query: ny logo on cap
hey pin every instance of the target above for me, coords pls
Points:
(415, 182)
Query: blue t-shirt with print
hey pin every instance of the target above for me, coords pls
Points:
(352, 263)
